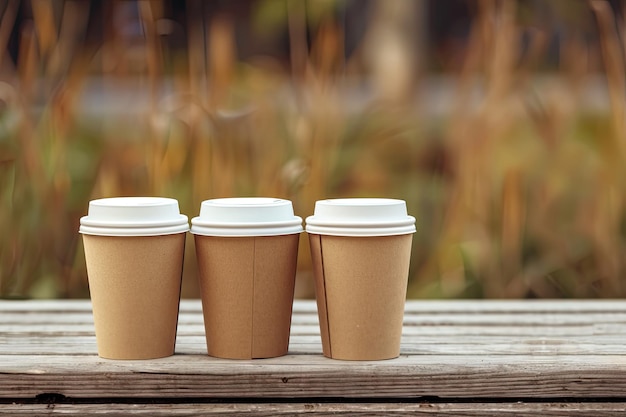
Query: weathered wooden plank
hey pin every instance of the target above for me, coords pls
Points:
(544, 349)
(445, 334)
(440, 334)
(514, 306)
(410, 320)
(280, 409)
(307, 376)
(469, 345)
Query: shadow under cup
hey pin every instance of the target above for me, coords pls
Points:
(134, 249)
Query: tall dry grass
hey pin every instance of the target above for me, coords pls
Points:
(518, 187)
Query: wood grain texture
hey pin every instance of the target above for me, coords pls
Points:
(499, 351)
(335, 409)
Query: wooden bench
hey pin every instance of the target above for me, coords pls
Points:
(473, 358)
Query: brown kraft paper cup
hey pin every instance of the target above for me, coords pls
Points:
(247, 286)
(134, 284)
(360, 285)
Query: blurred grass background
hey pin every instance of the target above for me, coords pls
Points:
(501, 123)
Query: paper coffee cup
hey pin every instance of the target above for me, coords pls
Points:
(134, 250)
(247, 251)
(360, 249)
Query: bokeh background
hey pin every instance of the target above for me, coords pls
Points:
(501, 123)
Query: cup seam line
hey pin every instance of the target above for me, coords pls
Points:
(253, 298)
(330, 345)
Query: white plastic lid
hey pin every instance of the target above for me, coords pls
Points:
(246, 216)
(133, 216)
(360, 217)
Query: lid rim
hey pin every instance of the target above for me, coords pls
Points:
(246, 230)
(127, 232)
(197, 221)
(182, 219)
(267, 234)
(361, 233)
(367, 224)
